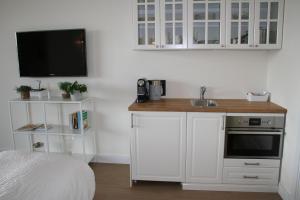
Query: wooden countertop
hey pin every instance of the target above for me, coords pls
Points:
(224, 105)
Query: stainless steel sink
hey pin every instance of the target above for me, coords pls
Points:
(204, 103)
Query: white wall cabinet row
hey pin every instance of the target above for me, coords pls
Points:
(208, 24)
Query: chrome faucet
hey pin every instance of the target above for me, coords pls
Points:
(202, 92)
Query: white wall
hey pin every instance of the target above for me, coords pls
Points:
(284, 84)
(114, 67)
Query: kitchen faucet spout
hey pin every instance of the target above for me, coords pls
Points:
(202, 92)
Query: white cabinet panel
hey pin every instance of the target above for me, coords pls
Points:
(206, 24)
(268, 24)
(205, 147)
(252, 163)
(258, 176)
(239, 23)
(158, 146)
(173, 24)
(147, 24)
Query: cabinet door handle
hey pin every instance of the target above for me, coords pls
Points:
(157, 46)
(162, 46)
(223, 45)
(250, 45)
(250, 177)
(223, 122)
(256, 45)
(131, 120)
(252, 164)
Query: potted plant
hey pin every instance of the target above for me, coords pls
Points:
(24, 90)
(76, 90)
(65, 87)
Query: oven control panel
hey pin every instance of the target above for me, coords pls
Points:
(257, 121)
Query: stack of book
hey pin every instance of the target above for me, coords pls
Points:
(75, 120)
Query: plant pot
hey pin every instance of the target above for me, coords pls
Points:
(76, 96)
(65, 95)
(25, 95)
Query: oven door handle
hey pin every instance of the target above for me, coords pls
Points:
(255, 132)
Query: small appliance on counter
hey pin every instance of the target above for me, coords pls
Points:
(157, 88)
(142, 90)
(150, 90)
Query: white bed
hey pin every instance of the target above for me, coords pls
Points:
(39, 176)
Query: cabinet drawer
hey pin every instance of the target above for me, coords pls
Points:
(252, 163)
(243, 175)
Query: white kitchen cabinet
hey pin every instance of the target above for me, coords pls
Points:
(173, 24)
(250, 176)
(147, 24)
(268, 24)
(158, 146)
(206, 24)
(251, 171)
(205, 147)
(254, 24)
(160, 24)
(240, 24)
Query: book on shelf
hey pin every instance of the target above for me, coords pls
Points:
(34, 127)
(75, 120)
(29, 127)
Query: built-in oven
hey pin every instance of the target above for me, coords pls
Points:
(254, 137)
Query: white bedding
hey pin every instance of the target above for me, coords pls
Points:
(39, 176)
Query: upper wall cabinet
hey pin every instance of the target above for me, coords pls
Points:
(160, 24)
(173, 24)
(208, 24)
(268, 24)
(240, 23)
(147, 22)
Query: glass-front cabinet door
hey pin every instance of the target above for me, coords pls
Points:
(268, 24)
(239, 23)
(173, 23)
(147, 22)
(206, 24)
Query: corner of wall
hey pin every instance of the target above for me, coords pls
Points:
(285, 195)
(268, 77)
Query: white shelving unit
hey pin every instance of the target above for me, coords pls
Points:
(58, 136)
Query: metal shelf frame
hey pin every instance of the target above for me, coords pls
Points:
(57, 129)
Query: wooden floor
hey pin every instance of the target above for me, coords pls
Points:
(112, 183)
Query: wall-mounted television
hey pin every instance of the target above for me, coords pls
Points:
(52, 53)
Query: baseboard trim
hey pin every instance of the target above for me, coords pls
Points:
(110, 158)
(285, 195)
(230, 187)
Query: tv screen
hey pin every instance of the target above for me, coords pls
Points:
(52, 53)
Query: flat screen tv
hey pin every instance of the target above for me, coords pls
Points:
(52, 53)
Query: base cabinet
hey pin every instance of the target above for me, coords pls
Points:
(251, 171)
(205, 147)
(189, 148)
(158, 146)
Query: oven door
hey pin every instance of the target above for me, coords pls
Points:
(253, 144)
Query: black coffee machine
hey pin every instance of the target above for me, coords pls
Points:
(143, 89)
